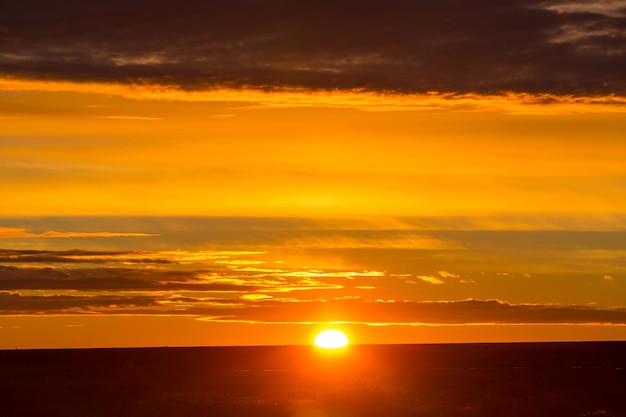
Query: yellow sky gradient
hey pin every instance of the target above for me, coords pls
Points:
(110, 149)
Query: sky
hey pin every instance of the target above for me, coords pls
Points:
(250, 172)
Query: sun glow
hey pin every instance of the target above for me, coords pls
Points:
(331, 339)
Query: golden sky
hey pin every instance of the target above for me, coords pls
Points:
(159, 156)
(262, 174)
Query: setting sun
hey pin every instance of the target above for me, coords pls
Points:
(331, 339)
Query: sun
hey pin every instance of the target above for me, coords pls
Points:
(331, 339)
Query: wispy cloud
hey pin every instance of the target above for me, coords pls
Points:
(374, 101)
(442, 277)
(12, 233)
(110, 279)
(140, 118)
(428, 278)
(614, 8)
(169, 271)
(16, 303)
(78, 256)
(148, 279)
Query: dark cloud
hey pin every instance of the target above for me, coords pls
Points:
(15, 303)
(273, 311)
(483, 46)
(112, 279)
(77, 256)
(453, 312)
(19, 233)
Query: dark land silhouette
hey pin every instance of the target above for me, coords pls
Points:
(520, 379)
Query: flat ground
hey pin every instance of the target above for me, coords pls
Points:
(561, 379)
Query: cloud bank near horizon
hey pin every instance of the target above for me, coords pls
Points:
(290, 311)
(253, 287)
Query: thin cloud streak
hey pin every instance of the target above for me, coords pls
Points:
(383, 101)
(141, 279)
(412, 313)
(140, 118)
(203, 271)
(19, 233)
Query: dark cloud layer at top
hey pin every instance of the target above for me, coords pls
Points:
(483, 46)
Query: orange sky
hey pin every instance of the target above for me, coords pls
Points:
(376, 185)
(263, 174)
(213, 157)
